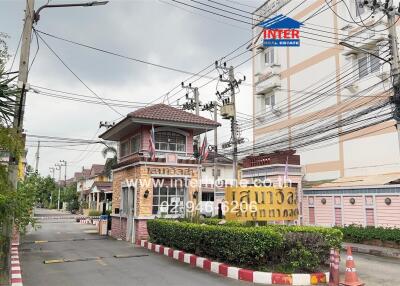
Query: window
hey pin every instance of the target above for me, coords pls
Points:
(168, 200)
(269, 100)
(130, 146)
(135, 144)
(125, 200)
(218, 172)
(269, 57)
(207, 197)
(359, 7)
(170, 141)
(368, 64)
(124, 148)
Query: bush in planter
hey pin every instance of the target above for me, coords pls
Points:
(233, 245)
(360, 234)
(304, 251)
(289, 248)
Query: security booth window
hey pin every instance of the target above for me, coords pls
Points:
(126, 200)
(170, 141)
(168, 199)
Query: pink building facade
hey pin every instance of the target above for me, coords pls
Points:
(146, 186)
(377, 205)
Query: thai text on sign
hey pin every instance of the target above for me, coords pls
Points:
(261, 203)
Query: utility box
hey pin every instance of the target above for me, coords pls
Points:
(227, 111)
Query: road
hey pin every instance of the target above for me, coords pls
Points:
(66, 241)
(152, 269)
(373, 270)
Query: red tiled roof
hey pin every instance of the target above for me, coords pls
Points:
(96, 169)
(168, 113)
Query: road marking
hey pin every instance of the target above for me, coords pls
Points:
(63, 240)
(41, 241)
(51, 261)
(96, 258)
(101, 262)
(129, 255)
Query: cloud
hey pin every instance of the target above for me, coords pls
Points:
(148, 30)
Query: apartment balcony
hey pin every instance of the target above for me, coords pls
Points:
(364, 38)
(267, 82)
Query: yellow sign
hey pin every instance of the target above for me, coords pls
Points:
(261, 203)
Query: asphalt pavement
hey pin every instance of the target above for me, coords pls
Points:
(92, 260)
(70, 240)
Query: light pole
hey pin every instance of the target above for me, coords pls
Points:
(31, 17)
(52, 171)
(58, 168)
(87, 4)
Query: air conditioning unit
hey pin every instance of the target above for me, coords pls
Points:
(352, 87)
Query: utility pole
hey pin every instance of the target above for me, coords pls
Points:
(214, 106)
(58, 168)
(394, 50)
(233, 121)
(24, 64)
(30, 17)
(22, 83)
(192, 103)
(391, 12)
(64, 163)
(37, 157)
(228, 110)
(52, 171)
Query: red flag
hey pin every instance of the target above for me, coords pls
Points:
(204, 149)
(152, 146)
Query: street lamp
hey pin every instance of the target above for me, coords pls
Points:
(87, 4)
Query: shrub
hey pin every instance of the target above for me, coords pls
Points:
(94, 213)
(359, 234)
(290, 248)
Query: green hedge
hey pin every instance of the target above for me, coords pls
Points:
(291, 249)
(333, 237)
(359, 234)
(94, 213)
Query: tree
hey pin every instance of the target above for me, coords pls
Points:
(110, 162)
(71, 197)
(15, 205)
(8, 92)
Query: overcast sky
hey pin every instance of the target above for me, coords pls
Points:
(151, 30)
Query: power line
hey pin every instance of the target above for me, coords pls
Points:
(58, 57)
(116, 54)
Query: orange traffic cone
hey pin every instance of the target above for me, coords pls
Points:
(350, 277)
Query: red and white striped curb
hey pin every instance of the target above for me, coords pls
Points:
(15, 275)
(235, 272)
(94, 221)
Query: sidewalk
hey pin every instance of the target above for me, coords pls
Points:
(373, 250)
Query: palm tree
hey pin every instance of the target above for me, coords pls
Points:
(110, 162)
